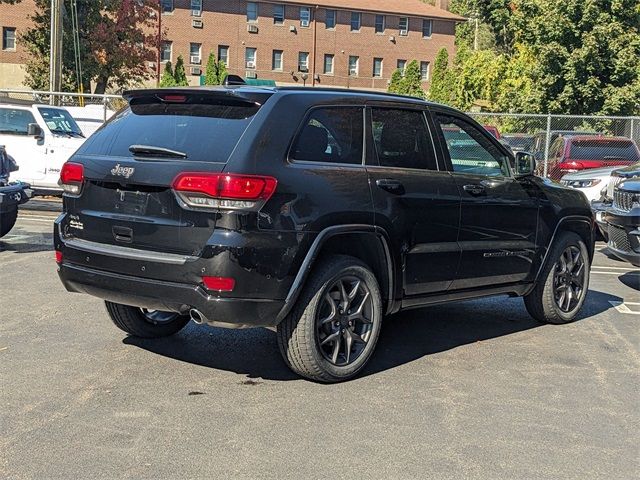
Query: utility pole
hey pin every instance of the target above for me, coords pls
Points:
(55, 58)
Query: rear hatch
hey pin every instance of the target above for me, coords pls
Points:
(129, 166)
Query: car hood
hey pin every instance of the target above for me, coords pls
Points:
(590, 173)
(632, 186)
(630, 171)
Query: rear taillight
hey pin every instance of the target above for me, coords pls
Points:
(570, 166)
(59, 257)
(226, 191)
(72, 177)
(219, 284)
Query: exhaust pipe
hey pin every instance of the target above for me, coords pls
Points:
(197, 316)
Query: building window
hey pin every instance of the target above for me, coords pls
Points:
(167, 6)
(250, 57)
(424, 71)
(328, 64)
(196, 8)
(356, 20)
(353, 65)
(305, 16)
(223, 54)
(380, 24)
(278, 14)
(427, 27)
(403, 26)
(276, 61)
(194, 53)
(377, 67)
(402, 64)
(303, 61)
(165, 52)
(330, 19)
(252, 12)
(8, 38)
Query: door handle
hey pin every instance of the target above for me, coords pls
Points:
(474, 189)
(390, 185)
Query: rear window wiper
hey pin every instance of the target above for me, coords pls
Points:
(156, 151)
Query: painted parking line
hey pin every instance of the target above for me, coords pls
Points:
(628, 269)
(631, 308)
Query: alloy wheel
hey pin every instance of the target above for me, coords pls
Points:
(344, 320)
(568, 279)
(156, 316)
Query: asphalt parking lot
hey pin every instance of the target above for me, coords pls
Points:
(472, 390)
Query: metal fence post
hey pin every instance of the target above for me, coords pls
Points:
(104, 108)
(547, 144)
(632, 133)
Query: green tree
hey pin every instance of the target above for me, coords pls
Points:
(411, 83)
(167, 79)
(216, 71)
(396, 81)
(116, 39)
(442, 84)
(179, 73)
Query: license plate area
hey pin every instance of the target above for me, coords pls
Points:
(131, 203)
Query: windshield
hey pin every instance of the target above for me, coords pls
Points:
(202, 132)
(60, 121)
(603, 150)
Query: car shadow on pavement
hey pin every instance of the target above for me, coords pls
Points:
(405, 337)
(631, 280)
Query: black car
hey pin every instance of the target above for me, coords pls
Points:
(623, 221)
(605, 202)
(319, 211)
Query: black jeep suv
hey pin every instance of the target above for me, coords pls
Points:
(317, 211)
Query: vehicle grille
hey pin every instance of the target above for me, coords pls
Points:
(623, 200)
(613, 182)
(618, 238)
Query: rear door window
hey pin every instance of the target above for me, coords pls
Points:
(401, 139)
(205, 129)
(331, 135)
(602, 149)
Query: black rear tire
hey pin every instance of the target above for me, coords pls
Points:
(7, 221)
(542, 302)
(332, 331)
(145, 323)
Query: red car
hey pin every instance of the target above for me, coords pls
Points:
(570, 154)
(493, 130)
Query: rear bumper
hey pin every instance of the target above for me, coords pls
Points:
(169, 296)
(13, 195)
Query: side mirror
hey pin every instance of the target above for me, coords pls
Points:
(34, 130)
(525, 164)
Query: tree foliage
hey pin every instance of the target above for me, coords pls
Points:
(396, 80)
(408, 84)
(117, 38)
(442, 82)
(216, 71)
(540, 56)
(167, 79)
(179, 74)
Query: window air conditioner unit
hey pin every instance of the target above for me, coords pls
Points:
(196, 13)
(151, 64)
(304, 23)
(195, 59)
(196, 23)
(303, 69)
(292, 28)
(196, 71)
(404, 33)
(250, 74)
(252, 28)
(251, 64)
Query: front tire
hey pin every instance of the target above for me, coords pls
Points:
(563, 283)
(7, 221)
(332, 331)
(144, 323)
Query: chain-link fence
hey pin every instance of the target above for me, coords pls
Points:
(560, 143)
(564, 143)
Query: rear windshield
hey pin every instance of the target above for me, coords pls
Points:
(603, 150)
(204, 132)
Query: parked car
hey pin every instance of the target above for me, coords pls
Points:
(604, 203)
(540, 140)
(623, 220)
(12, 194)
(90, 117)
(575, 153)
(317, 211)
(520, 142)
(493, 130)
(40, 138)
(592, 182)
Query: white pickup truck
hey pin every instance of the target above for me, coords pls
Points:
(40, 138)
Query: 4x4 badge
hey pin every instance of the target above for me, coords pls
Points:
(125, 172)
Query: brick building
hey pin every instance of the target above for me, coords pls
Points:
(346, 43)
